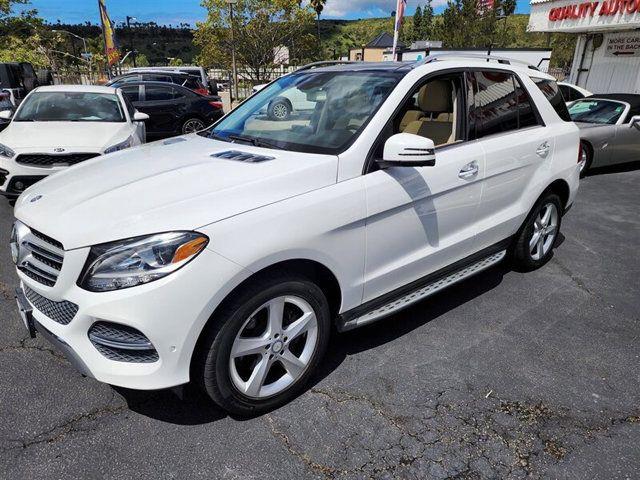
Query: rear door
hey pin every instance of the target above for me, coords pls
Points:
(516, 144)
(158, 102)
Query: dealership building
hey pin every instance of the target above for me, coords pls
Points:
(607, 54)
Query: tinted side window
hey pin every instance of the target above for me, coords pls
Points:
(132, 93)
(155, 93)
(526, 113)
(553, 93)
(130, 108)
(496, 103)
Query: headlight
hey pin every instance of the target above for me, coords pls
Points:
(120, 146)
(6, 151)
(135, 261)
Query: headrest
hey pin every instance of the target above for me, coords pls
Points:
(435, 96)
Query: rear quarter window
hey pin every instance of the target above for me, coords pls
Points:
(551, 90)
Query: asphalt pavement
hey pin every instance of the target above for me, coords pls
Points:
(506, 375)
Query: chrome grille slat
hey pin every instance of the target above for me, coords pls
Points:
(40, 256)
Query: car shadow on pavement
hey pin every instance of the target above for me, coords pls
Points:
(187, 405)
(621, 168)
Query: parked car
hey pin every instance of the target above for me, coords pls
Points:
(223, 258)
(59, 126)
(281, 107)
(18, 79)
(196, 71)
(609, 129)
(172, 109)
(178, 78)
(6, 105)
(572, 92)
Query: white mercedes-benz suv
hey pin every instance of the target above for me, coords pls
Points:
(225, 257)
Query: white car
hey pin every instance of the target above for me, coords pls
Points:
(572, 92)
(291, 100)
(224, 257)
(59, 126)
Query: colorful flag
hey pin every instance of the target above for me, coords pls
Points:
(400, 7)
(110, 47)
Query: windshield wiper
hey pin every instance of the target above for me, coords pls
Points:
(215, 136)
(256, 142)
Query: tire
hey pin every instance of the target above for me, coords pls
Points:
(232, 382)
(586, 158)
(279, 110)
(192, 125)
(528, 254)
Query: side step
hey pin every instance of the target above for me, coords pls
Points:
(422, 292)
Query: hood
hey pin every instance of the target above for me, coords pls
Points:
(158, 188)
(44, 136)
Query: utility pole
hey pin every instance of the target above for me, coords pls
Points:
(133, 52)
(233, 50)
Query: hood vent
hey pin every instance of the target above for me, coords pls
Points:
(242, 156)
(171, 141)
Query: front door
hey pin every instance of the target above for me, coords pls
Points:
(420, 219)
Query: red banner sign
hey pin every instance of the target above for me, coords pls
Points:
(589, 9)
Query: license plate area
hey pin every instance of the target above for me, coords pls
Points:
(26, 312)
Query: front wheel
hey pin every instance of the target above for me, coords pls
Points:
(264, 345)
(279, 110)
(534, 242)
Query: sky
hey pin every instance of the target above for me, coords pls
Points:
(189, 11)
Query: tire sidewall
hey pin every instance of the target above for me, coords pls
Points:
(216, 377)
(189, 120)
(589, 159)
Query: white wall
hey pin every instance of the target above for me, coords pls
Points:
(606, 73)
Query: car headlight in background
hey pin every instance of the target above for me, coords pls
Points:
(120, 146)
(6, 152)
(136, 261)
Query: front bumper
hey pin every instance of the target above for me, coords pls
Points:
(170, 312)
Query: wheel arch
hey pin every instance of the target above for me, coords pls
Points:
(561, 188)
(317, 272)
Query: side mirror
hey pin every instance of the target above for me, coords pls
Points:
(635, 121)
(140, 117)
(6, 115)
(408, 150)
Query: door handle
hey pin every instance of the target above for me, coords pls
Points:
(543, 150)
(470, 170)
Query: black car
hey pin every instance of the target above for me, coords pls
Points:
(17, 78)
(178, 78)
(172, 109)
(5, 104)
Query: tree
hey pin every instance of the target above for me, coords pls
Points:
(317, 6)
(175, 62)
(416, 33)
(260, 29)
(464, 26)
(427, 24)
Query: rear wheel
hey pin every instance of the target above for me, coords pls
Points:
(264, 345)
(192, 125)
(537, 237)
(279, 109)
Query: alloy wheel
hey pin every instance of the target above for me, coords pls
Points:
(192, 126)
(274, 346)
(545, 229)
(280, 111)
(583, 159)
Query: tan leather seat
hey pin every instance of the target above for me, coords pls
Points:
(434, 99)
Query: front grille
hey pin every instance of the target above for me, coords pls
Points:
(48, 160)
(60, 312)
(122, 343)
(41, 256)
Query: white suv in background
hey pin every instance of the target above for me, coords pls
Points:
(224, 257)
(59, 126)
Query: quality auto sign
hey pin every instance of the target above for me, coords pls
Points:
(577, 11)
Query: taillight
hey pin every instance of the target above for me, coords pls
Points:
(202, 91)
(216, 104)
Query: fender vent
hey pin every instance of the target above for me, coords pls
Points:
(242, 156)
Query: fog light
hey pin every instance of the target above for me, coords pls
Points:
(19, 186)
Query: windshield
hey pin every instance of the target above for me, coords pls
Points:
(315, 112)
(596, 111)
(70, 107)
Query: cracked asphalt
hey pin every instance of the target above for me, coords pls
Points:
(506, 375)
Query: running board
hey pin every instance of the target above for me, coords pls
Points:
(423, 292)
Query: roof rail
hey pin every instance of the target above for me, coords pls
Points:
(475, 56)
(325, 63)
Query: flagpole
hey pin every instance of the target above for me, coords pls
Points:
(396, 33)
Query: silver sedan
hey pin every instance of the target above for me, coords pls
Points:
(609, 129)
